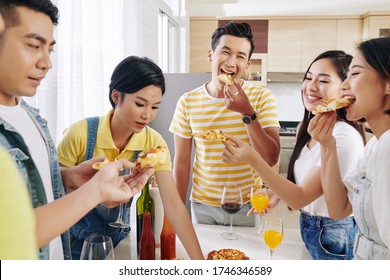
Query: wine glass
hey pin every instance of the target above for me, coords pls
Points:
(119, 223)
(231, 202)
(273, 233)
(259, 201)
(97, 247)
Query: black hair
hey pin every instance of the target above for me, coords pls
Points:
(12, 17)
(237, 29)
(377, 54)
(341, 62)
(135, 73)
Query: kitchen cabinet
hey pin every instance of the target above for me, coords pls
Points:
(349, 34)
(317, 36)
(373, 24)
(294, 43)
(200, 40)
(284, 45)
(257, 71)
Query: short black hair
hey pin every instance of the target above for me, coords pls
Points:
(237, 29)
(12, 18)
(135, 73)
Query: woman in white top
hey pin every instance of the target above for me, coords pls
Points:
(324, 237)
(368, 183)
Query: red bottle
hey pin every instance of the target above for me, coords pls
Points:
(168, 241)
(147, 245)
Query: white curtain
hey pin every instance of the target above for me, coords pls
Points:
(90, 43)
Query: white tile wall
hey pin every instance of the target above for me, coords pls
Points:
(288, 100)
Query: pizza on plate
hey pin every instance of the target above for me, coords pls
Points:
(333, 104)
(226, 78)
(227, 254)
(152, 157)
(99, 165)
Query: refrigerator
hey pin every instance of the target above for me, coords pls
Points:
(176, 85)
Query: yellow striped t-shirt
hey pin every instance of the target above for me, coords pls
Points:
(196, 111)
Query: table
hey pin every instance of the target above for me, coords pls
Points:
(292, 247)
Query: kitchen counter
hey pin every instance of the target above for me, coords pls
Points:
(292, 247)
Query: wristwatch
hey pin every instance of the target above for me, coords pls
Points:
(249, 119)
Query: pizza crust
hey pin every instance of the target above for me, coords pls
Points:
(333, 104)
(152, 157)
(227, 79)
(227, 254)
(99, 165)
(213, 135)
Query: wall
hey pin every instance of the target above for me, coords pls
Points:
(288, 100)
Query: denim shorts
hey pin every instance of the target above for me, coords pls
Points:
(328, 239)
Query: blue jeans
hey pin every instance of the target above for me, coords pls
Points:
(328, 239)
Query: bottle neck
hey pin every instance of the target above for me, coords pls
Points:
(146, 222)
(145, 190)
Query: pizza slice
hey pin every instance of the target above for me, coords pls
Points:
(99, 165)
(333, 104)
(152, 157)
(226, 78)
(213, 135)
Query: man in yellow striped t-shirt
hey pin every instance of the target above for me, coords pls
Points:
(243, 110)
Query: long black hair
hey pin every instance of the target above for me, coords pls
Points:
(341, 61)
(135, 73)
(377, 54)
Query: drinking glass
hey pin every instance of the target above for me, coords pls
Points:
(259, 201)
(119, 223)
(273, 233)
(97, 247)
(231, 202)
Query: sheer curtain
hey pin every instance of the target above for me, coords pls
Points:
(90, 43)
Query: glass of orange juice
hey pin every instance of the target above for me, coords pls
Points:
(273, 233)
(259, 201)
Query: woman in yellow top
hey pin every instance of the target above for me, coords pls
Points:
(136, 90)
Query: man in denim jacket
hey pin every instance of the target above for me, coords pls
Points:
(25, 48)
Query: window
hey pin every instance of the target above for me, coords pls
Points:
(169, 44)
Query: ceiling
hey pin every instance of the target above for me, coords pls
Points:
(259, 8)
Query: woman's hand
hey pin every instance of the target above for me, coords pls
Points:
(237, 152)
(273, 201)
(321, 127)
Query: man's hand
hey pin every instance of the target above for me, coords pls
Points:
(75, 176)
(114, 188)
(236, 99)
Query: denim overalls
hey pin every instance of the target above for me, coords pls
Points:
(368, 244)
(96, 221)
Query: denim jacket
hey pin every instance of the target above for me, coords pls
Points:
(13, 142)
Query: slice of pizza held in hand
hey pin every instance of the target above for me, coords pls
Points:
(99, 165)
(333, 104)
(226, 78)
(213, 135)
(152, 157)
